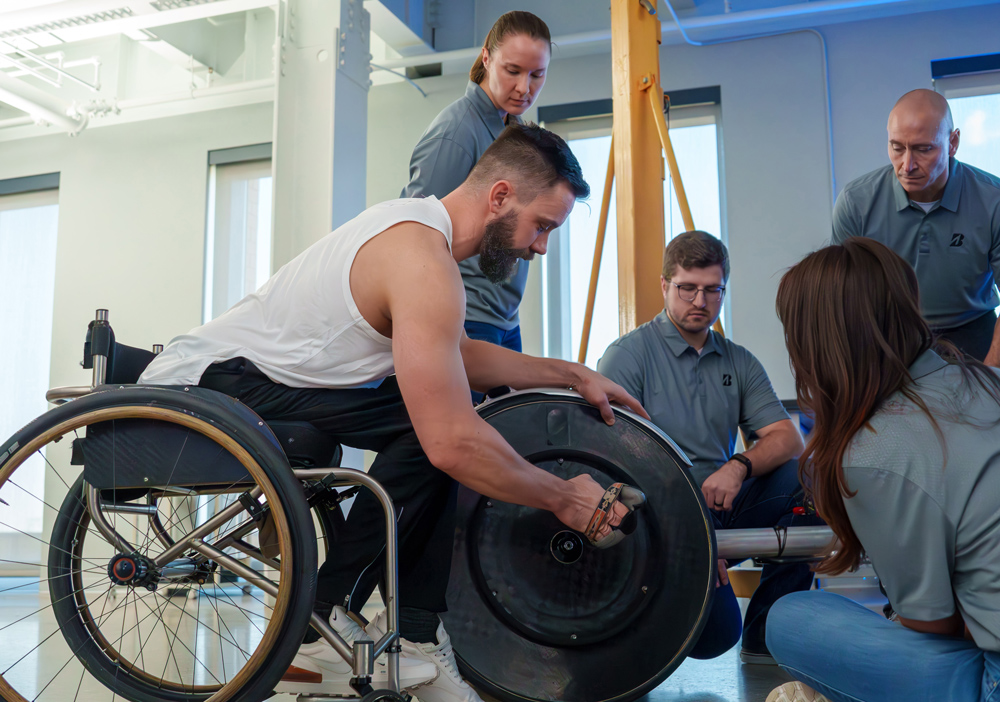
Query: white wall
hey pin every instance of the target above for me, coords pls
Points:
(777, 189)
(131, 223)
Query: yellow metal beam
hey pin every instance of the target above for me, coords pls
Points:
(639, 172)
(595, 269)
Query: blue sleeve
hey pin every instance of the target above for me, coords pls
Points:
(759, 405)
(845, 219)
(623, 367)
(438, 166)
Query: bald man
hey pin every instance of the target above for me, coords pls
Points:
(941, 215)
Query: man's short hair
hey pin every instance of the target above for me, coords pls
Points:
(533, 159)
(695, 249)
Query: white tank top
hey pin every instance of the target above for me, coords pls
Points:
(303, 328)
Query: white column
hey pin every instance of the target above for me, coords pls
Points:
(320, 120)
(320, 126)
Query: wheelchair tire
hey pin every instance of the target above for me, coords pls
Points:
(221, 644)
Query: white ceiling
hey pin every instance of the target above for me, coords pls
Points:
(133, 59)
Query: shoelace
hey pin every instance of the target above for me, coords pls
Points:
(447, 657)
(445, 654)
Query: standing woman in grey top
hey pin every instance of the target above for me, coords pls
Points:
(904, 465)
(504, 82)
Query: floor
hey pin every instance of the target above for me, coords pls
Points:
(723, 679)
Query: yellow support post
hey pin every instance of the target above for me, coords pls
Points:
(639, 172)
(595, 269)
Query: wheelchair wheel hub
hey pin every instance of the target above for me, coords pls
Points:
(133, 570)
(566, 547)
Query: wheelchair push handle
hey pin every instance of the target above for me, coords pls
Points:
(97, 346)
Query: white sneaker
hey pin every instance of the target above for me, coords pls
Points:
(319, 669)
(448, 686)
(795, 692)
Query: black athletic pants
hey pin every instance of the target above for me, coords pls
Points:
(973, 338)
(424, 497)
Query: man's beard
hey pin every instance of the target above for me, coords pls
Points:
(497, 259)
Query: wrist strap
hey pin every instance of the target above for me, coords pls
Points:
(740, 458)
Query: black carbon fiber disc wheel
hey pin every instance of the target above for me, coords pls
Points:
(535, 611)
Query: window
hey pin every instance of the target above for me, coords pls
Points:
(28, 222)
(978, 118)
(238, 227)
(566, 275)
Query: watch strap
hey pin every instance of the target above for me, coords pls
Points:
(740, 458)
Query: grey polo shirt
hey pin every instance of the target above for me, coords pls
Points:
(954, 248)
(441, 161)
(698, 400)
(930, 518)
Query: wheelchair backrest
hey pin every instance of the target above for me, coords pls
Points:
(124, 363)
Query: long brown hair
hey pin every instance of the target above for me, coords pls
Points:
(516, 22)
(853, 327)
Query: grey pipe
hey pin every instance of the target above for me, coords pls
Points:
(771, 543)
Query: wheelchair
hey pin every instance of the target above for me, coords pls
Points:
(180, 563)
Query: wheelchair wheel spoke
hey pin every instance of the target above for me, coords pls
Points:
(243, 612)
(58, 672)
(37, 647)
(194, 655)
(38, 539)
(33, 496)
(31, 614)
(159, 619)
(230, 641)
(79, 685)
(138, 627)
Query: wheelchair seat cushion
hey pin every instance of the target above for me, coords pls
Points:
(305, 445)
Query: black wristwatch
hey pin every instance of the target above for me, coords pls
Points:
(740, 458)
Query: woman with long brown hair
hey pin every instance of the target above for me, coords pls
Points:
(904, 465)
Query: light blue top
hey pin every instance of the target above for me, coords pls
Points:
(698, 400)
(927, 513)
(441, 161)
(954, 248)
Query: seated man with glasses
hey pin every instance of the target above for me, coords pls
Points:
(700, 388)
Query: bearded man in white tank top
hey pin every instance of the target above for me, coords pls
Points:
(381, 295)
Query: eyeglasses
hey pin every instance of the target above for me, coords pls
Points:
(689, 293)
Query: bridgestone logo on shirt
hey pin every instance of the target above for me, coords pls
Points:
(727, 379)
(957, 239)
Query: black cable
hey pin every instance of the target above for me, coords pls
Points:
(782, 534)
